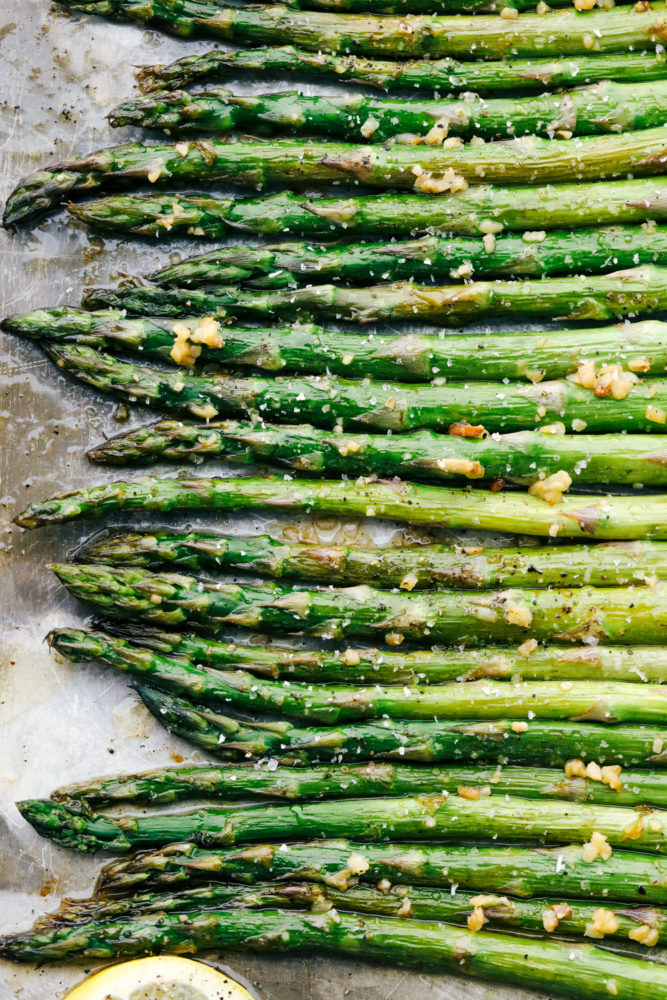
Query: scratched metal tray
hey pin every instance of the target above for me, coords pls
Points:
(61, 723)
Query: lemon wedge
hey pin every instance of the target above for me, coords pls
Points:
(164, 977)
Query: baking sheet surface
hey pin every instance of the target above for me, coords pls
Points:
(59, 722)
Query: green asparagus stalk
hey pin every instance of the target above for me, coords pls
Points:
(603, 701)
(600, 108)
(313, 350)
(428, 75)
(427, 259)
(551, 744)
(426, 169)
(598, 297)
(573, 969)
(418, 903)
(645, 664)
(575, 516)
(411, 567)
(331, 401)
(620, 615)
(563, 33)
(389, 215)
(526, 457)
(324, 782)
(524, 872)
(424, 817)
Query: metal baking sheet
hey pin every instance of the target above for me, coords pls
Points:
(59, 722)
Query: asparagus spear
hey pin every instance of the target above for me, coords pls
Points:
(408, 566)
(427, 259)
(563, 33)
(426, 169)
(324, 782)
(413, 358)
(427, 74)
(551, 744)
(526, 872)
(641, 663)
(597, 109)
(598, 297)
(331, 401)
(400, 901)
(603, 701)
(390, 215)
(575, 516)
(416, 902)
(526, 457)
(424, 817)
(620, 615)
(573, 969)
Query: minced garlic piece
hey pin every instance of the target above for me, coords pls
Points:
(464, 430)
(476, 920)
(490, 901)
(639, 365)
(575, 768)
(552, 488)
(393, 638)
(542, 8)
(461, 467)
(554, 914)
(517, 614)
(633, 831)
(464, 270)
(431, 183)
(370, 125)
(468, 793)
(611, 775)
(182, 148)
(351, 657)
(154, 175)
(509, 13)
(489, 241)
(527, 648)
(207, 412)
(347, 359)
(207, 332)
(438, 133)
(566, 685)
(452, 142)
(585, 375)
(183, 352)
(409, 581)
(347, 447)
(584, 4)
(658, 744)
(534, 236)
(558, 427)
(655, 414)
(613, 381)
(519, 727)
(405, 909)
(603, 922)
(579, 425)
(593, 771)
(588, 40)
(357, 864)
(597, 847)
(489, 226)
(645, 935)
